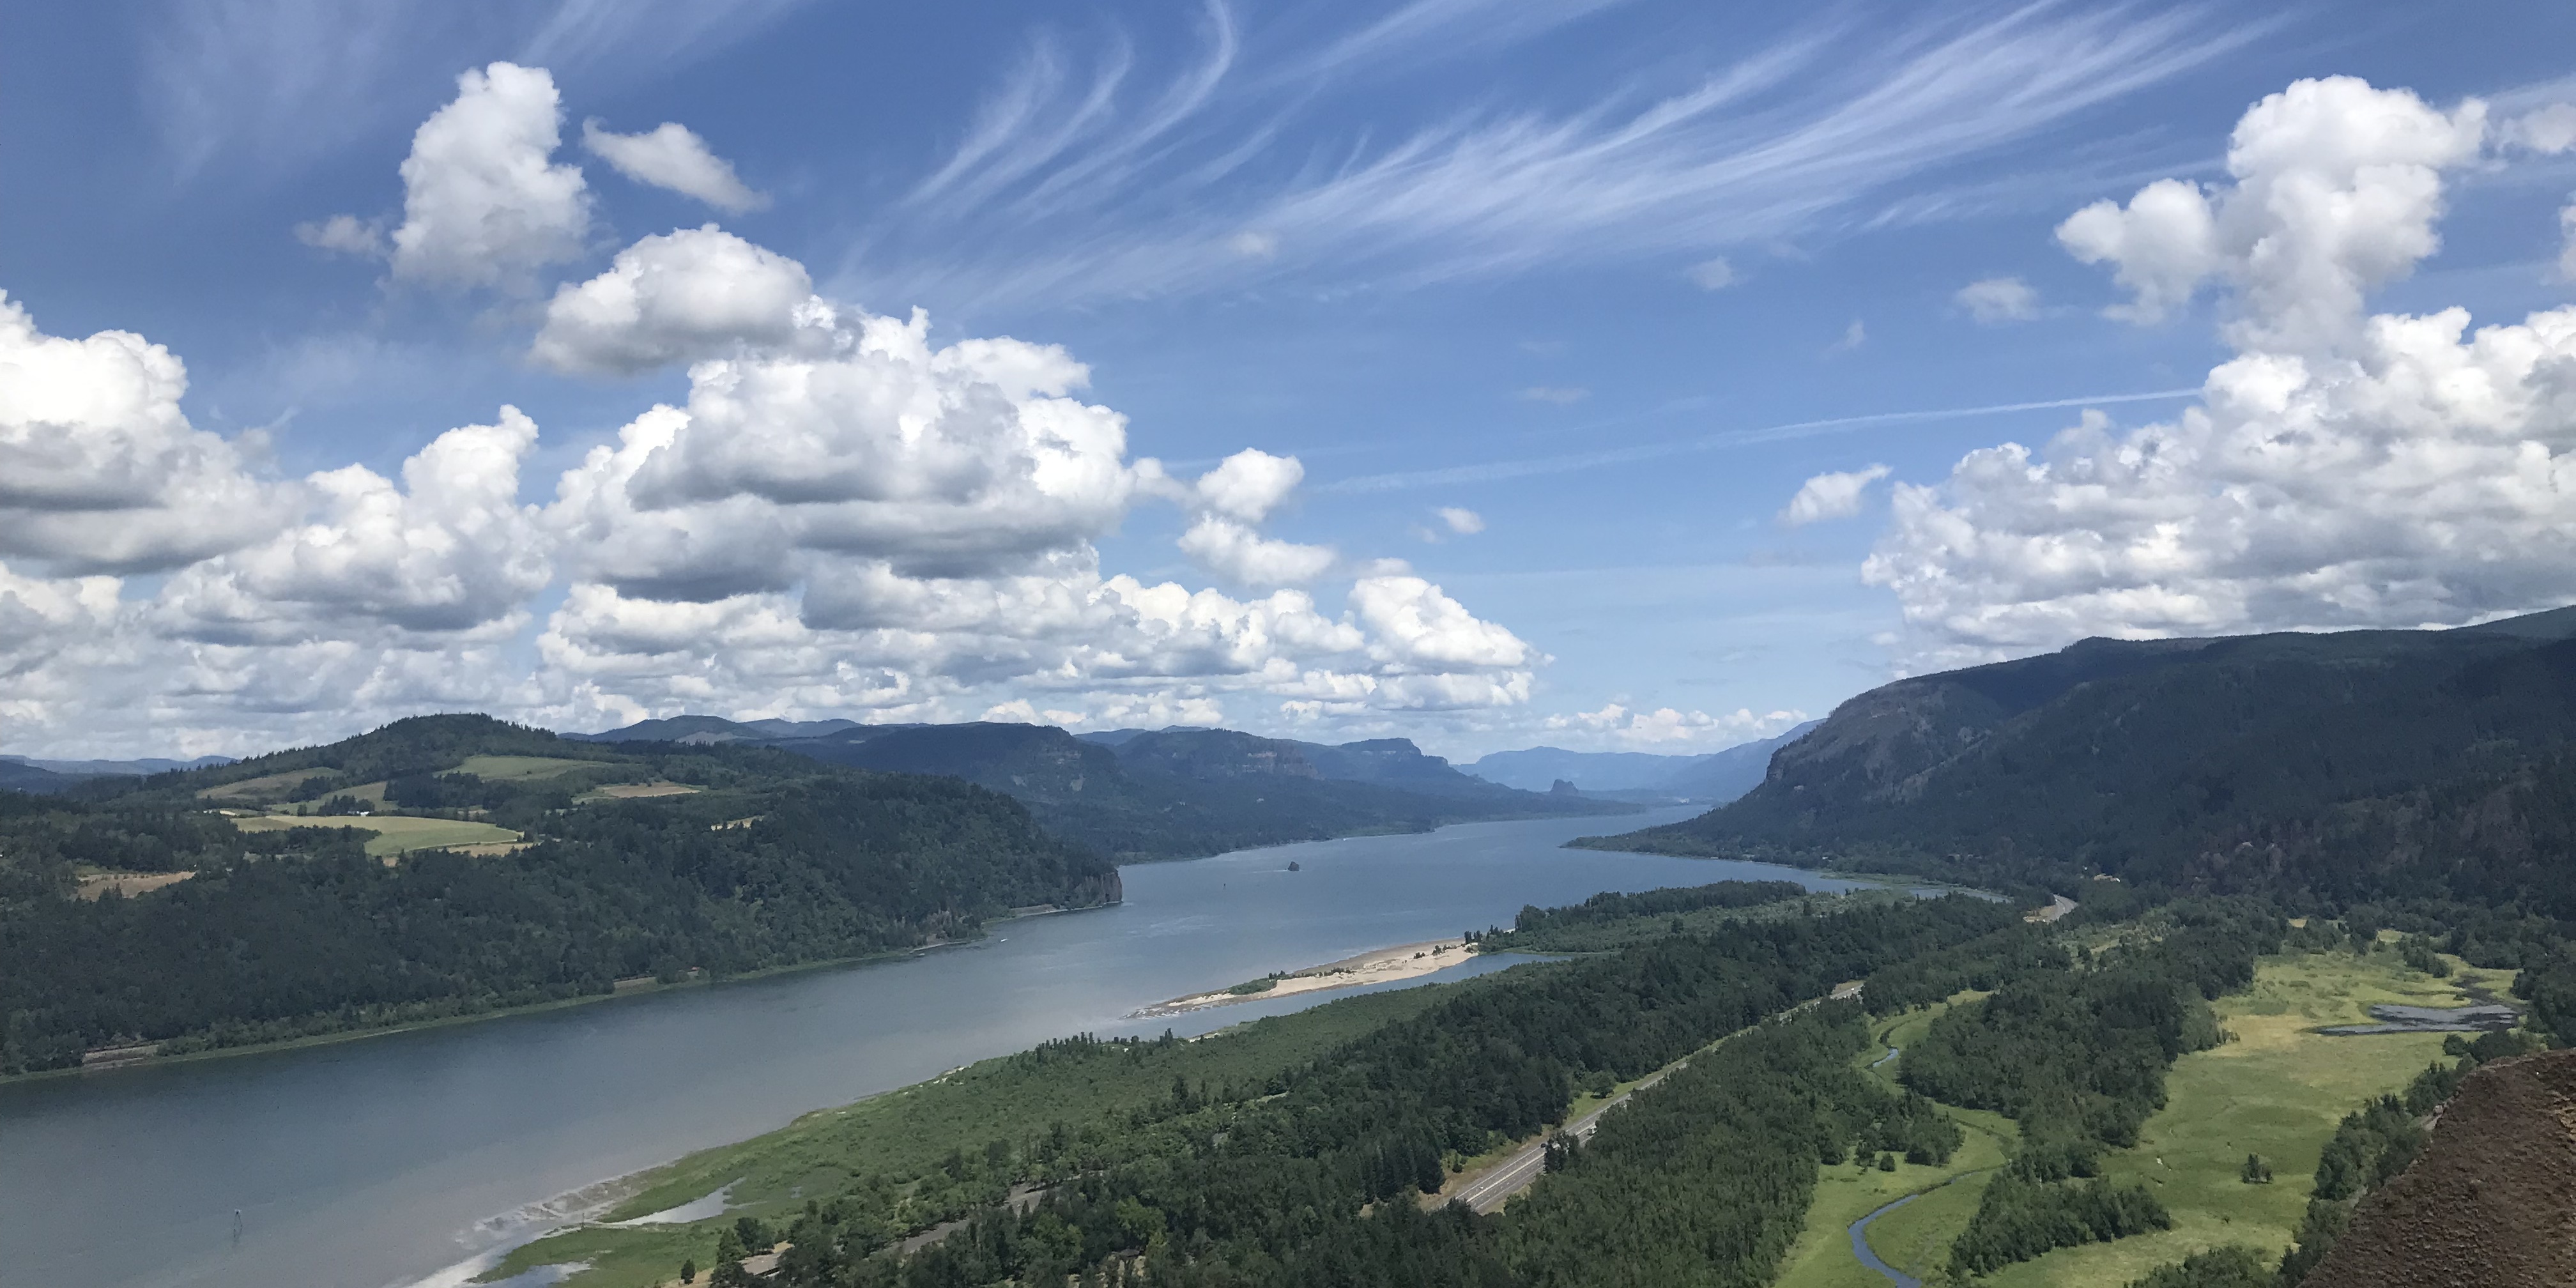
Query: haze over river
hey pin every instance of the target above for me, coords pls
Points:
(404, 1159)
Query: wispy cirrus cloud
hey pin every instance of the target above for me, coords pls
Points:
(1087, 176)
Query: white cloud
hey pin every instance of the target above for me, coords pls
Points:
(1247, 558)
(697, 292)
(1252, 245)
(1249, 484)
(1999, 299)
(1560, 395)
(483, 204)
(1830, 496)
(2337, 188)
(1755, 148)
(1711, 274)
(345, 235)
(2548, 131)
(1673, 731)
(672, 156)
(2567, 242)
(1854, 336)
(100, 471)
(1464, 522)
(2339, 471)
(449, 550)
(838, 518)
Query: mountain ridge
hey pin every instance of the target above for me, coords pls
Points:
(2330, 766)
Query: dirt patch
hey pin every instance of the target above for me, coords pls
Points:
(2492, 1201)
(128, 884)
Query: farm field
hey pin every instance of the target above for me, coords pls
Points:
(395, 834)
(521, 768)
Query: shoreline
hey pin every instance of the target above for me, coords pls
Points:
(1391, 964)
(531, 1008)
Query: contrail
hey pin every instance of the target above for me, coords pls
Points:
(1492, 471)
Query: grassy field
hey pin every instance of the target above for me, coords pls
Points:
(267, 787)
(517, 768)
(905, 1132)
(395, 834)
(2277, 1090)
(635, 791)
(1905, 1238)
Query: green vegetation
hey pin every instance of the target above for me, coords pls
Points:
(293, 927)
(392, 834)
(1183, 793)
(930, 1144)
(2323, 770)
(1614, 920)
(1311, 1175)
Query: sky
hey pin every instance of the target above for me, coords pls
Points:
(1610, 375)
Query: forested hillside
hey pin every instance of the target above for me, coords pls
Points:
(298, 919)
(1183, 793)
(2326, 768)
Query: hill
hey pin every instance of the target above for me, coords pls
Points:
(2323, 767)
(307, 911)
(1172, 793)
(19, 776)
(1716, 777)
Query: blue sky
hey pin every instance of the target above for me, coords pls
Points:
(1449, 254)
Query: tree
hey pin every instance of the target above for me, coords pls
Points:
(689, 1270)
(1887, 1162)
(2256, 1171)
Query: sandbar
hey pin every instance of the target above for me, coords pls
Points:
(1381, 966)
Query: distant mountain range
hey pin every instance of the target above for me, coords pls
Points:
(1716, 777)
(2328, 767)
(27, 774)
(1170, 793)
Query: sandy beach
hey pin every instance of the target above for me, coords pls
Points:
(1382, 966)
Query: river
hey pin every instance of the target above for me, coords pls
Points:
(406, 1159)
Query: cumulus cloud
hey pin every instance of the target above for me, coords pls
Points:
(672, 156)
(1245, 557)
(2339, 471)
(1464, 522)
(1249, 484)
(483, 203)
(100, 471)
(1711, 274)
(2337, 188)
(838, 517)
(449, 550)
(1999, 299)
(1830, 496)
(694, 293)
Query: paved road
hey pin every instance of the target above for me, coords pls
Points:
(1488, 1193)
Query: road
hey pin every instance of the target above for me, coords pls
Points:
(1488, 1192)
(1497, 1184)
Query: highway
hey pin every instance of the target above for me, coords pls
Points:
(1489, 1191)
(1495, 1186)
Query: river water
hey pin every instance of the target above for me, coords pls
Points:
(407, 1159)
